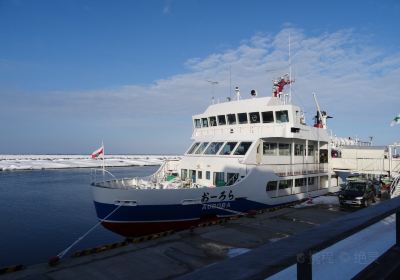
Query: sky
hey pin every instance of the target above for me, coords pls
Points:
(132, 73)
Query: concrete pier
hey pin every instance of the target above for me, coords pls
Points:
(183, 252)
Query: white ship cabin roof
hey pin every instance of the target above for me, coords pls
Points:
(252, 119)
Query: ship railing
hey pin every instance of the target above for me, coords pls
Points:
(394, 186)
(299, 169)
(102, 173)
(150, 181)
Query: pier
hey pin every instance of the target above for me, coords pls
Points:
(183, 252)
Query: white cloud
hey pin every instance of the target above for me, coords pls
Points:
(355, 82)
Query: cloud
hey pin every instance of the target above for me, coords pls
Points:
(355, 81)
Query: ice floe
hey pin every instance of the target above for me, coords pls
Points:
(37, 162)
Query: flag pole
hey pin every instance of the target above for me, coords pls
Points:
(104, 153)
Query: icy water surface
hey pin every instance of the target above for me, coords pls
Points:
(43, 212)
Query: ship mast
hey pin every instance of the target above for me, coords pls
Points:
(290, 74)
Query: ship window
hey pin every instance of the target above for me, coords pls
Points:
(213, 148)
(213, 121)
(200, 174)
(298, 149)
(242, 118)
(221, 120)
(204, 122)
(197, 123)
(300, 182)
(254, 117)
(284, 149)
(284, 184)
(231, 178)
(208, 175)
(270, 149)
(183, 174)
(201, 148)
(282, 116)
(310, 150)
(193, 148)
(228, 148)
(242, 149)
(268, 117)
(231, 119)
(271, 186)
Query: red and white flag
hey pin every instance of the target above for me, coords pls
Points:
(99, 151)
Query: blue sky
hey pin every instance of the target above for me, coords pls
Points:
(133, 72)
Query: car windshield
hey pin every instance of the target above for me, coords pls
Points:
(356, 187)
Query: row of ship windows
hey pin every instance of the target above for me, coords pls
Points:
(218, 178)
(213, 148)
(270, 149)
(243, 118)
(283, 149)
(285, 184)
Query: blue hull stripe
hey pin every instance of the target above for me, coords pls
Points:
(148, 213)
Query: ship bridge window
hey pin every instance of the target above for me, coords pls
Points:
(221, 120)
(284, 149)
(228, 148)
(205, 122)
(270, 149)
(201, 148)
(231, 119)
(213, 148)
(268, 117)
(193, 148)
(213, 121)
(197, 123)
(242, 118)
(242, 149)
(282, 116)
(254, 117)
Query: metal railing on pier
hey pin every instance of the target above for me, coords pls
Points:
(271, 258)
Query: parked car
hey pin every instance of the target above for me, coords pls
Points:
(360, 192)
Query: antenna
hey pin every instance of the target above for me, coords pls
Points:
(213, 83)
(290, 74)
(230, 80)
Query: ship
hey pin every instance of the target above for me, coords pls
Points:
(247, 154)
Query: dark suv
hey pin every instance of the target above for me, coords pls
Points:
(359, 192)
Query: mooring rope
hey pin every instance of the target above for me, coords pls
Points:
(62, 253)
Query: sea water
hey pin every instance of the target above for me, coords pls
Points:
(42, 212)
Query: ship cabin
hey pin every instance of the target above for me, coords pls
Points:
(232, 137)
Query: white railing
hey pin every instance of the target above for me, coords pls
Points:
(136, 182)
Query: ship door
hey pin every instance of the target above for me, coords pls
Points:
(192, 175)
(323, 156)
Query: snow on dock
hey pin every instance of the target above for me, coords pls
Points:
(37, 162)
